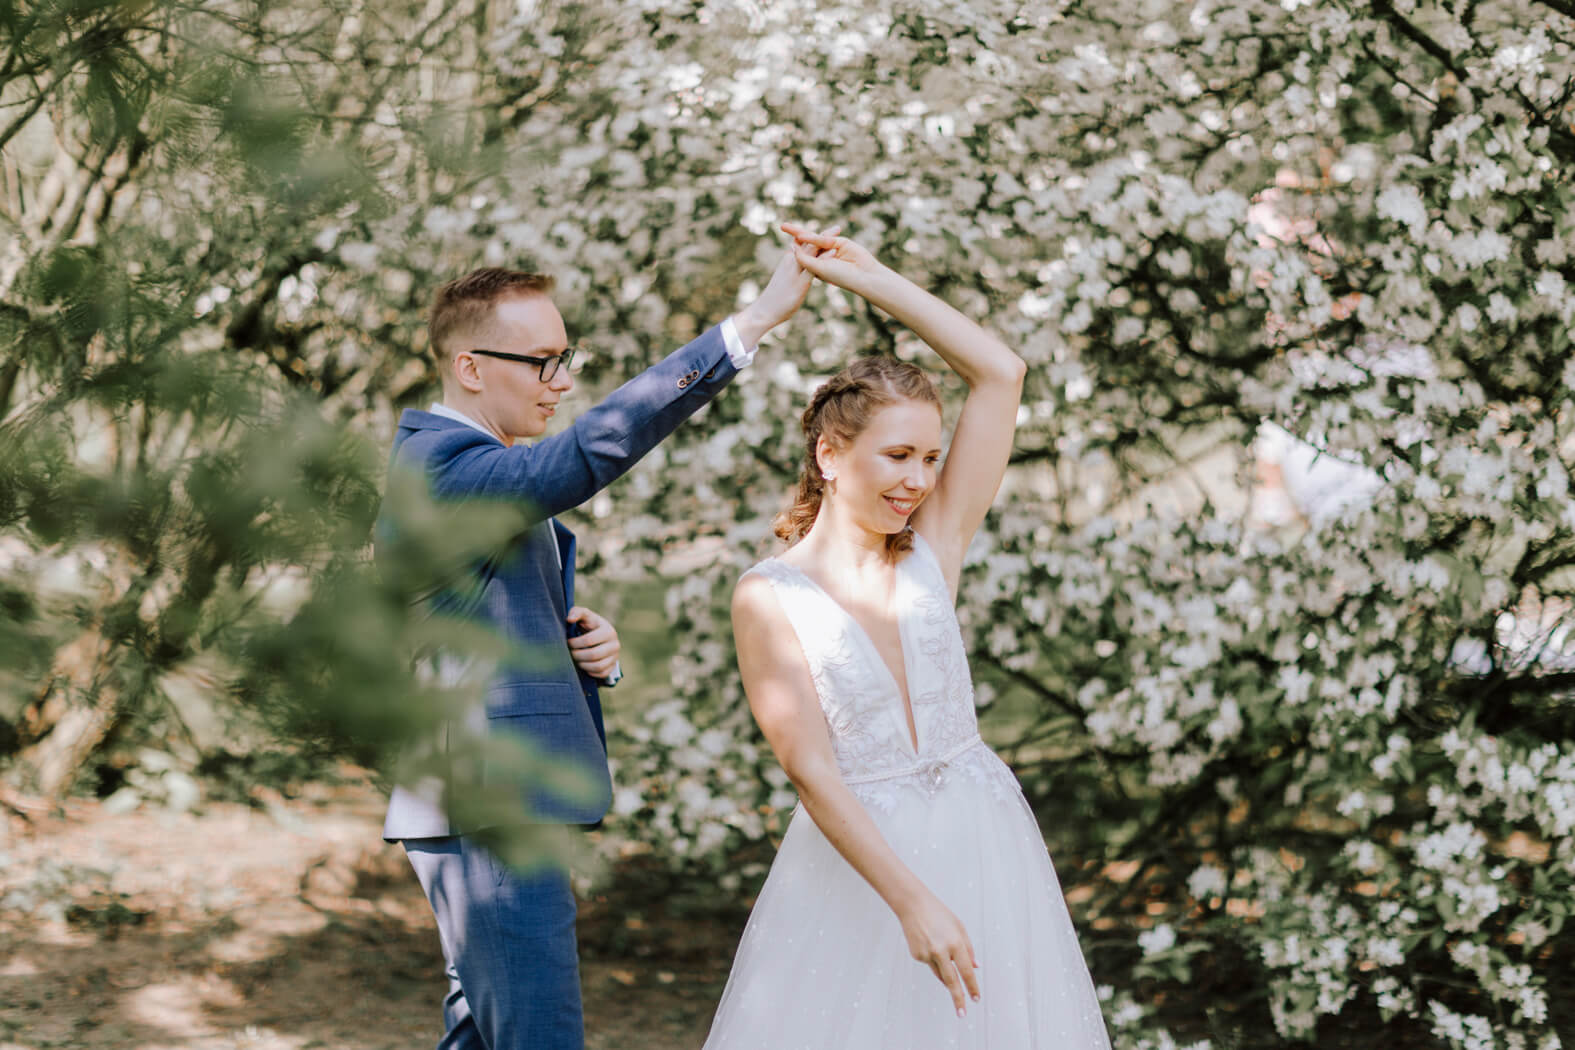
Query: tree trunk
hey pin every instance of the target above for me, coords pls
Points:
(71, 730)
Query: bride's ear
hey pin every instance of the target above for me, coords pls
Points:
(825, 458)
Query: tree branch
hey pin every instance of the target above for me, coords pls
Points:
(1563, 7)
(1558, 133)
(1534, 685)
(1038, 688)
(9, 374)
(38, 103)
(1386, 10)
(249, 329)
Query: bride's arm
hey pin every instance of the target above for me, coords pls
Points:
(782, 698)
(982, 443)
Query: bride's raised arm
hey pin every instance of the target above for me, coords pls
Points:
(982, 442)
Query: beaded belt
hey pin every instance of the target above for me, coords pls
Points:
(931, 770)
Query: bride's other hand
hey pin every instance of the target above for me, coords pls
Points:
(782, 697)
(937, 939)
(835, 260)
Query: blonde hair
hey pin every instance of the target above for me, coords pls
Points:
(840, 410)
(464, 306)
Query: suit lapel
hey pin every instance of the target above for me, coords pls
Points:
(565, 541)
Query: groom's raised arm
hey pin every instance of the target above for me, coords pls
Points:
(565, 470)
(602, 444)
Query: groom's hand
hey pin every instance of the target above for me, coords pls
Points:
(782, 297)
(595, 649)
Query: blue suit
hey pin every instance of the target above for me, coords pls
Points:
(509, 942)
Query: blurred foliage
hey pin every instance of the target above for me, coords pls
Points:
(184, 521)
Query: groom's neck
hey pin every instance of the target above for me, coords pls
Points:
(470, 406)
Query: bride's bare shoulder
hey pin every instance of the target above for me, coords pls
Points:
(753, 597)
(763, 636)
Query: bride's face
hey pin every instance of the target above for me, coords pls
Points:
(888, 470)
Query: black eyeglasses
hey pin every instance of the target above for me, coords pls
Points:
(548, 366)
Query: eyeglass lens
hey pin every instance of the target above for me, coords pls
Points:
(550, 365)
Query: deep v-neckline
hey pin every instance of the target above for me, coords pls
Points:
(910, 721)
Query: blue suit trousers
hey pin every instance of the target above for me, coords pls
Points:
(509, 945)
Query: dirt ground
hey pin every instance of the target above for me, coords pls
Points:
(287, 925)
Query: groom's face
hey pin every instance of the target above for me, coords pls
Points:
(512, 394)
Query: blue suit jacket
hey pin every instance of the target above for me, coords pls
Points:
(531, 586)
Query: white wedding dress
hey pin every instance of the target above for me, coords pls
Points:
(823, 963)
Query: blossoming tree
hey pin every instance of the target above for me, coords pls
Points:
(1335, 756)
(1339, 754)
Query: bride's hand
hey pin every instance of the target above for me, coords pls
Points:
(835, 260)
(937, 939)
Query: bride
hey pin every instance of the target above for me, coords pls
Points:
(912, 840)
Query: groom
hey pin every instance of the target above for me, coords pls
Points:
(505, 361)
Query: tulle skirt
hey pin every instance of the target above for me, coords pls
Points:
(823, 963)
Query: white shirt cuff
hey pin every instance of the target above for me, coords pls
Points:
(735, 346)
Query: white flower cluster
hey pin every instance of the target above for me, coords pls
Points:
(1311, 966)
(1132, 1026)
(1475, 1032)
(707, 791)
(1519, 782)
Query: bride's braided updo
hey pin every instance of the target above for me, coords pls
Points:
(841, 409)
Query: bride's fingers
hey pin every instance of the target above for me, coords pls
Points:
(809, 258)
(968, 967)
(828, 236)
(793, 253)
(947, 972)
(804, 235)
(798, 229)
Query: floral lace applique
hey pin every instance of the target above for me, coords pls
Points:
(857, 694)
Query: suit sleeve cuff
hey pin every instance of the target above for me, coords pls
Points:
(736, 352)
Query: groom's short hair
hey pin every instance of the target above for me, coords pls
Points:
(463, 307)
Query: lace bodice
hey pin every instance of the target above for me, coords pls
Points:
(860, 697)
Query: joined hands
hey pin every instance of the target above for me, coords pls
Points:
(783, 294)
(834, 259)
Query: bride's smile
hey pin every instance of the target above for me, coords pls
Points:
(881, 477)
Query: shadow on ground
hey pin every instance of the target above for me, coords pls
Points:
(290, 926)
